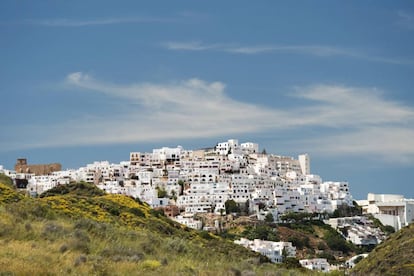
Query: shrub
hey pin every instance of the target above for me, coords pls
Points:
(290, 262)
(177, 245)
(6, 180)
(79, 189)
(52, 231)
(8, 194)
(150, 264)
(121, 253)
(327, 256)
(63, 248)
(321, 245)
(157, 213)
(231, 207)
(206, 235)
(80, 260)
(137, 212)
(296, 241)
(263, 232)
(336, 242)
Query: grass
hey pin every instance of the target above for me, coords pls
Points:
(395, 256)
(79, 231)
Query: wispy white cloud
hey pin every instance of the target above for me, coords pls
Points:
(355, 121)
(256, 49)
(386, 143)
(313, 50)
(191, 46)
(340, 106)
(405, 19)
(66, 22)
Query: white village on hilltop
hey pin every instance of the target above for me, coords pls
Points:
(187, 183)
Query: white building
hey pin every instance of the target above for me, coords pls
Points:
(273, 250)
(189, 222)
(393, 210)
(320, 264)
(167, 154)
(304, 162)
(248, 148)
(203, 180)
(231, 146)
(359, 230)
(337, 192)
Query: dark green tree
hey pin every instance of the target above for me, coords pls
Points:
(269, 217)
(231, 207)
(181, 183)
(161, 192)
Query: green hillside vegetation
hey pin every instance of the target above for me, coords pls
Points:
(312, 238)
(8, 194)
(4, 179)
(78, 230)
(395, 256)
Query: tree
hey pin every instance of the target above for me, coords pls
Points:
(269, 217)
(231, 206)
(161, 192)
(296, 216)
(174, 195)
(291, 262)
(335, 241)
(181, 183)
(262, 232)
(345, 210)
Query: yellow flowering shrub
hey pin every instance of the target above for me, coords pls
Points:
(150, 264)
(8, 195)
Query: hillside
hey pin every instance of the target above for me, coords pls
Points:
(395, 256)
(78, 230)
(312, 238)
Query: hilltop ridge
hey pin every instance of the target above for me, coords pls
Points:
(392, 257)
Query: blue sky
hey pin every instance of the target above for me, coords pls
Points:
(93, 80)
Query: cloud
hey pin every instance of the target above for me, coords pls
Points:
(255, 49)
(312, 50)
(343, 120)
(405, 20)
(64, 22)
(190, 46)
(351, 106)
(388, 143)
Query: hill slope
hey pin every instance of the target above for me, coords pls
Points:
(395, 256)
(77, 230)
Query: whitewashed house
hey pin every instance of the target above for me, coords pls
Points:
(273, 250)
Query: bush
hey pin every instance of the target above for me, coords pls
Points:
(336, 242)
(291, 262)
(176, 245)
(155, 213)
(327, 256)
(52, 231)
(8, 194)
(206, 235)
(296, 242)
(80, 241)
(80, 260)
(150, 264)
(231, 207)
(262, 232)
(122, 253)
(80, 189)
(6, 180)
